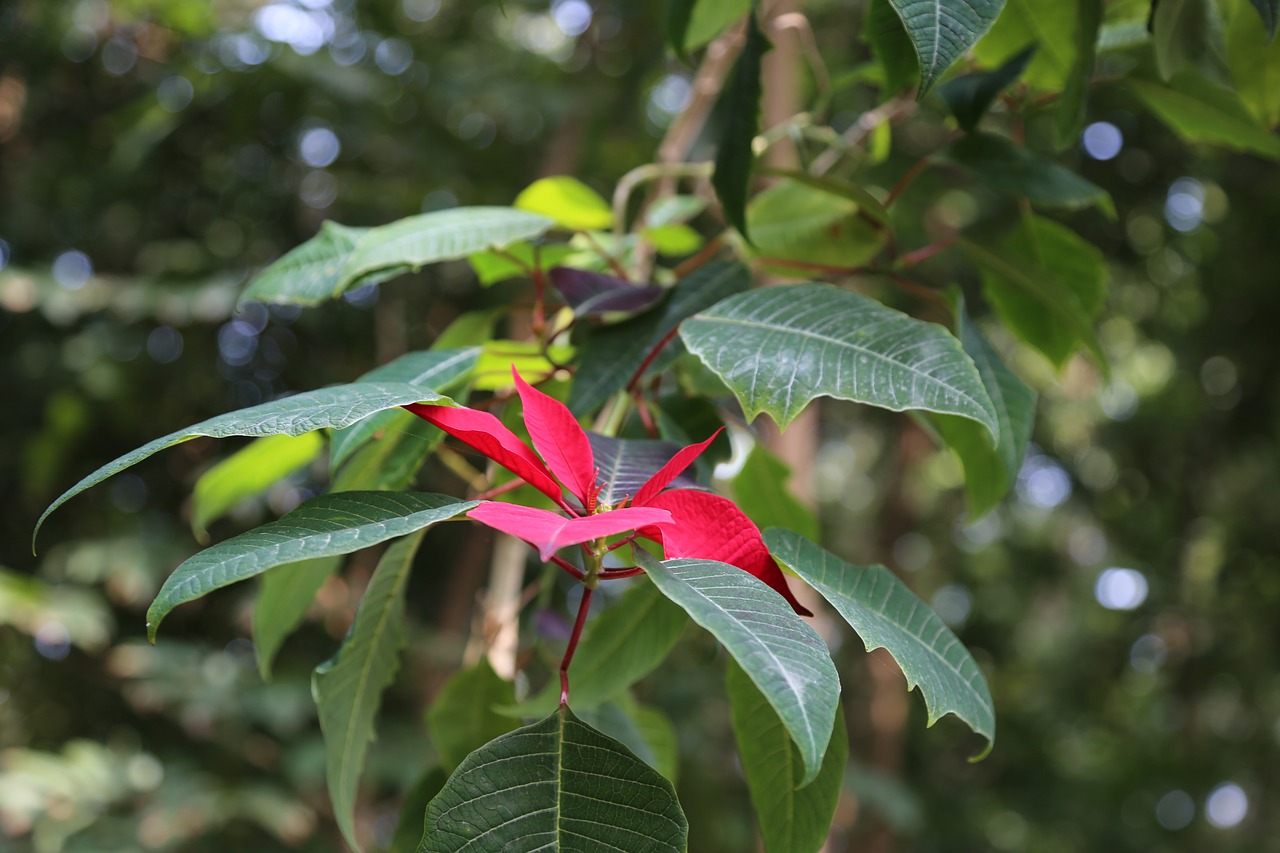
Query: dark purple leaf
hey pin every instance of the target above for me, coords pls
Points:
(592, 294)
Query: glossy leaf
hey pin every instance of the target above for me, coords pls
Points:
(761, 491)
(884, 32)
(558, 438)
(557, 785)
(550, 531)
(463, 717)
(942, 30)
(619, 646)
(332, 408)
(438, 370)
(249, 472)
(322, 527)
(626, 464)
(284, 598)
(1070, 115)
(593, 294)
(739, 108)
(886, 614)
(786, 660)
(970, 96)
(1047, 284)
(609, 356)
(989, 472)
(1050, 25)
(1013, 169)
(780, 347)
(348, 688)
(706, 526)
(1200, 111)
(568, 201)
(792, 818)
(793, 220)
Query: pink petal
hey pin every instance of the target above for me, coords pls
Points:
(549, 532)
(559, 438)
(671, 470)
(709, 527)
(485, 433)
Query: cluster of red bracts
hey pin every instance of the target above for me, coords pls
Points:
(686, 522)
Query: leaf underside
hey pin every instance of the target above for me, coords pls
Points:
(942, 30)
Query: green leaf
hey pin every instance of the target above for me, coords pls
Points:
(679, 15)
(618, 648)
(438, 370)
(1184, 32)
(793, 818)
(864, 202)
(463, 717)
(970, 96)
(886, 614)
(1047, 285)
(673, 240)
(780, 347)
(786, 660)
(284, 598)
(1051, 25)
(557, 785)
(611, 354)
(739, 109)
(761, 491)
(645, 731)
(515, 260)
(884, 32)
(413, 807)
(1269, 11)
(249, 472)
(942, 30)
(1013, 169)
(333, 408)
(1253, 59)
(348, 687)
(390, 461)
(989, 472)
(322, 527)
(570, 202)
(710, 18)
(1199, 111)
(310, 273)
(1070, 115)
(793, 220)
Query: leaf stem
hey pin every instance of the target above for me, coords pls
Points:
(706, 253)
(573, 644)
(573, 570)
(619, 574)
(649, 359)
(649, 172)
(905, 181)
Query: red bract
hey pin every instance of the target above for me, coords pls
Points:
(687, 522)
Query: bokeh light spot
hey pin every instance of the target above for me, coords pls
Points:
(1120, 589)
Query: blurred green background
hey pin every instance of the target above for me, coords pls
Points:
(153, 153)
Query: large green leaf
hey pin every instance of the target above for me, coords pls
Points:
(332, 408)
(1015, 170)
(793, 818)
(1200, 111)
(1050, 25)
(464, 716)
(645, 731)
(618, 648)
(438, 370)
(322, 527)
(284, 597)
(783, 656)
(739, 108)
(248, 472)
(1253, 59)
(338, 258)
(348, 688)
(557, 786)
(989, 472)
(942, 30)
(886, 614)
(778, 348)
(1047, 284)
(611, 354)
(1184, 33)
(761, 491)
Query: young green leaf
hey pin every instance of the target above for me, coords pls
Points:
(942, 30)
(797, 221)
(786, 660)
(886, 614)
(334, 408)
(793, 818)
(1051, 25)
(348, 688)
(778, 348)
(322, 527)
(989, 472)
(1200, 111)
(568, 201)
(464, 718)
(970, 96)
(1013, 169)
(249, 472)
(739, 109)
(555, 785)
(284, 597)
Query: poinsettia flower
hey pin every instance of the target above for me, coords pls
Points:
(686, 522)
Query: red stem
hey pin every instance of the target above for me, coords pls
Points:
(648, 359)
(645, 417)
(706, 253)
(509, 486)
(619, 574)
(905, 180)
(573, 644)
(573, 570)
(910, 259)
